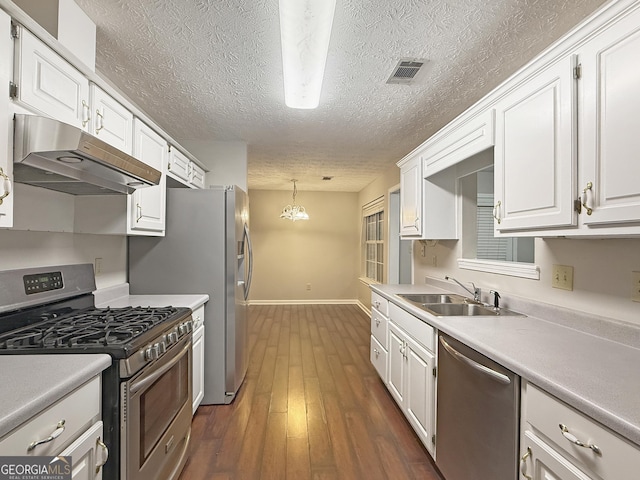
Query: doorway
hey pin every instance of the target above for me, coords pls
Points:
(399, 249)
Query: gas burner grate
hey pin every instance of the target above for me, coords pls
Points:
(87, 329)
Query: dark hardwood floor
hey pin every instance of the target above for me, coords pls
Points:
(312, 407)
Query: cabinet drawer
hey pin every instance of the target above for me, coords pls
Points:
(422, 332)
(380, 303)
(79, 409)
(379, 327)
(378, 356)
(618, 459)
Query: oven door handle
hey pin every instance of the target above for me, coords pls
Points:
(150, 379)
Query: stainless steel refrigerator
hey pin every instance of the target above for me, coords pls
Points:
(206, 249)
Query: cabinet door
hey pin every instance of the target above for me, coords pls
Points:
(411, 198)
(88, 454)
(541, 462)
(610, 124)
(47, 83)
(196, 176)
(178, 164)
(420, 393)
(198, 367)
(535, 151)
(6, 124)
(396, 364)
(111, 122)
(146, 206)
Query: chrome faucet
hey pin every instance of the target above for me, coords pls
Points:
(476, 290)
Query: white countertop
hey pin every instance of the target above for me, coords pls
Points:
(597, 376)
(118, 296)
(30, 383)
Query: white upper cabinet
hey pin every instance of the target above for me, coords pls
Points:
(48, 84)
(183, 170)
(411, 198)
(610, 124)
(146, 206)
(178, 165)
(535, 151)
(6, 125)
(196, 175)
(110, 121)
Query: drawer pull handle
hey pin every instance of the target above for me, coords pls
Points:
(573, 439)
(523, 464)
(55, 434)
(105, 456)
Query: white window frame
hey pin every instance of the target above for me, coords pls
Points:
(373, 214)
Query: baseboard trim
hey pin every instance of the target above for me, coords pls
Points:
(306, 302)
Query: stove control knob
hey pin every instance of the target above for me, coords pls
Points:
(151, 353)
(190, 325)
(172, 337)
(161, 347)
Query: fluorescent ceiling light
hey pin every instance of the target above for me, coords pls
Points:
(305, 30)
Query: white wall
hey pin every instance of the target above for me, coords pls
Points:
(226, 161)
(601, 275)
(23, 249)
(289, 255)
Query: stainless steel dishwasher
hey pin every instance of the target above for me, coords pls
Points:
(477, 415)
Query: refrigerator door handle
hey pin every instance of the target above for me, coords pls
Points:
(247, 286)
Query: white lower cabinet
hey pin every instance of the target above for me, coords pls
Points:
(69, 427)
(198, 367)
(412, 382)
(88, 453)
(560, 443)
(198, 358)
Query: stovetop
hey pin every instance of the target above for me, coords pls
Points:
(106, 330)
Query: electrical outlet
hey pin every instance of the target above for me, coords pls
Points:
(423, 249)
(434, 260)
(635, 292)
(562, 277)
(308, 286)
(97, 266)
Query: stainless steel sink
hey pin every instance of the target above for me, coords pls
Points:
(453, 305)
(459, 309)
(428, 298)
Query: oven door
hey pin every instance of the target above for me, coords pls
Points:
(156, 416)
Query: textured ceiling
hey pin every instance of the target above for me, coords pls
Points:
(211, 70)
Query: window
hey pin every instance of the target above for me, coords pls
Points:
(373, 239)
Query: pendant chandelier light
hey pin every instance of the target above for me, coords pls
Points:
(294, 212)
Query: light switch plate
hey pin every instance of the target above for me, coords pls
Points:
(562, 277)
(635, 292)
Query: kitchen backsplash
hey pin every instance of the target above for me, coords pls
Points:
(602, 274)
(22, 249)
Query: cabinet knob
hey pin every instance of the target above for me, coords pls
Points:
(377, 322)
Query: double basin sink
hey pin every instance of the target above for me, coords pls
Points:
(453, 305)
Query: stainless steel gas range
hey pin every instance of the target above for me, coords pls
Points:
(146, 404)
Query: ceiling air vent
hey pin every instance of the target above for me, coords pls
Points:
(407, 71)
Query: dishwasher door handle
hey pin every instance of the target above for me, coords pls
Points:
(497, 376)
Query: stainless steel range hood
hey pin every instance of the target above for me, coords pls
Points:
(58, 156)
